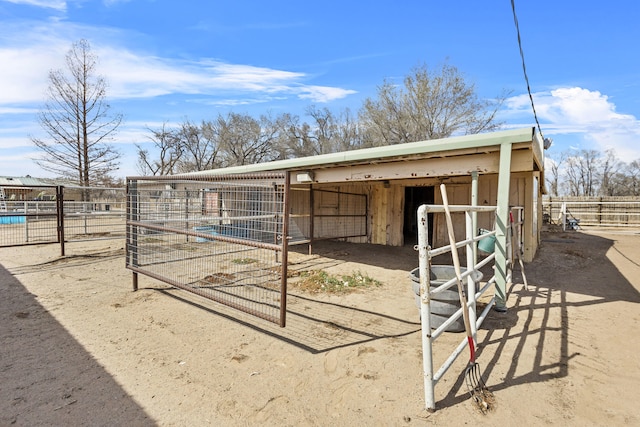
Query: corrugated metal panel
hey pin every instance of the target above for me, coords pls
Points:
(386, 153)
(21, 181)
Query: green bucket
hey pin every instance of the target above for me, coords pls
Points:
(488, 244)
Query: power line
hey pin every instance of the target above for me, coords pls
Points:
(524, 68)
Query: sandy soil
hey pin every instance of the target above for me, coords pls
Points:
(78, 347)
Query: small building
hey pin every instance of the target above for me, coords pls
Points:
(24, 188)
(362, 196)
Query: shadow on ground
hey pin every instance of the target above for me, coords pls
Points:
(42, 385)
(312, 324)
(570, 271)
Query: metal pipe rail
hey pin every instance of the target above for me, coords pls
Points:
(426, 253)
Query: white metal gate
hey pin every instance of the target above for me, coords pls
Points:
(426, 253)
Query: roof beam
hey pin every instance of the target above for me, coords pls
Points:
(483, 163)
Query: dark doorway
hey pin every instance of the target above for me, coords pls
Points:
(413, 198)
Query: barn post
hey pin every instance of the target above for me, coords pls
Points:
(285, 248)
(502, 222)
(133, 215)
(60, 216)
(474, 214)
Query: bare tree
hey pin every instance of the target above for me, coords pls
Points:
(632, 179)
(349, 135)
(326, 133)
(582, 173)
(200, 145)
(294, 140)
(324, 129)
(246, 140)
(609, 166)
(169, 150)
(430, 105)
(312, 139)
(553, 170)
(77, 121)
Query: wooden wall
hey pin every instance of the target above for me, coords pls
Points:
(387, 203)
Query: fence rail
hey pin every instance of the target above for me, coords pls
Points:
(430, 290)
(57, 218)
(574, 213)
(219, 237)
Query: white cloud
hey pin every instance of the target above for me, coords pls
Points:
(324, 93)
(133, 74)
(48, 4)
(584, 113)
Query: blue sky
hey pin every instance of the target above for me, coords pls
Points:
(168, 61)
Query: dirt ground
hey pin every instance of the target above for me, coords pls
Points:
(78, 347)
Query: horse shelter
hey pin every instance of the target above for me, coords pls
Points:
(224, 234)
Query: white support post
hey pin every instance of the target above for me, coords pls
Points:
(425, 308)
(474, 214)
(471, 284)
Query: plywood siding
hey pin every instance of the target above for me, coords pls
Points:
(395, 237)
(385, 220)
(299, 213)
(386, 214)
(457, 194)
(460, 194)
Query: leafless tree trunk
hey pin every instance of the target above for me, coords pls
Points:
(77, 121)
(632, 181)
(609, 166)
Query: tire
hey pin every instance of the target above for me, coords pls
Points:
(444, 303)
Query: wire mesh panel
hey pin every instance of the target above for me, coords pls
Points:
(50, 214)
(219, 237)
(339, 214)
(92, 213)
(300, 219)
(28, 215)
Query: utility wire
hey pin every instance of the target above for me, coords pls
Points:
(524, 67)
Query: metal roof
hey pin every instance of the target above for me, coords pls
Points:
(394, 152)
(21, 181)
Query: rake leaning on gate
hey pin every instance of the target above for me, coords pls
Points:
(479, 392)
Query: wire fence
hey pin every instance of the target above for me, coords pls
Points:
(322, 214)
(219, 237)
(57, 214)
(29, 215)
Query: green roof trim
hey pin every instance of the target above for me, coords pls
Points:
(388, 152)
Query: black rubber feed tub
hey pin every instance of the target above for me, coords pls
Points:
(444, 303)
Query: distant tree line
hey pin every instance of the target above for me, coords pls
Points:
(430, 104)
(591, 173)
